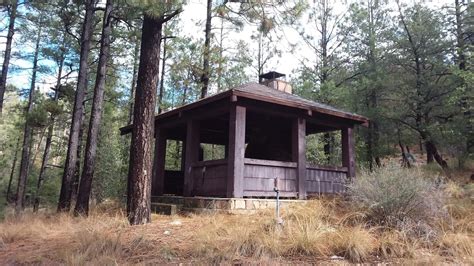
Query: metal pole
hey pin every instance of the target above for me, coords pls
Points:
(277, 190)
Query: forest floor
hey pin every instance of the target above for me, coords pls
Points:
(325, 230)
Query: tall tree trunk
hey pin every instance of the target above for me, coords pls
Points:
(49, 137)
(162, 78)
(25, 153)
(136, 54)
(260, 57)
(206, 55)
(64, 202)
(82, 202)
(12, 172)
(77, 172)
(461, 60)
(372, 101)
(141, 148)
(38, 146)
(221, 52)
(8, 50)
(324, 72)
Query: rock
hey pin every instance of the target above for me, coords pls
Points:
(167, 232)
(177, 222)
(239, 204)
(336, 257)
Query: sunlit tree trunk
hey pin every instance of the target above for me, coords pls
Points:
(206, 56)
(64, 202)
(8, 50)
(85, 186)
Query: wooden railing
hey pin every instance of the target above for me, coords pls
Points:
(210, 178)
(325, 179)
(259, 176)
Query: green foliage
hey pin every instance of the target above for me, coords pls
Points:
(367, 66)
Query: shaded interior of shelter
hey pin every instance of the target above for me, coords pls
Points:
(267, 137)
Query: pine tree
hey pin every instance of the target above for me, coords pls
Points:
(12, 10)
(70, 167)
(82, 203)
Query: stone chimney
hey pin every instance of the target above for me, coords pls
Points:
(272, 80)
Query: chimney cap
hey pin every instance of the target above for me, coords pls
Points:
(271, 75)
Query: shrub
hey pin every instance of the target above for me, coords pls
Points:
(392, 196)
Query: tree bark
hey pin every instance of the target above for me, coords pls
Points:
(25, 153)
(82, 202)
(12, 173)
(461, 60)
(7, 55)
(372, 99)
(64, 202)
(431, 149)
(221, 53)
(206, 55)
(162, 78)
(324, 72)
(405, 160)
(141, 148)
(77, 172)
(329, 146)
(49, 136)
(136, 54)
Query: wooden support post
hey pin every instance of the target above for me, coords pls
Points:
(236, 152)
(158, 181)
(299, 154)
(191, 156)
(348, 157)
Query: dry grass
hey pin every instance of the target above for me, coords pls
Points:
(314, 232)
(323, 229)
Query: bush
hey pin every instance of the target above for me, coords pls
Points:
(393, 196)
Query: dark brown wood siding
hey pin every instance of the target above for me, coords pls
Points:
(259, 178)
(210, 178)
(321, 180)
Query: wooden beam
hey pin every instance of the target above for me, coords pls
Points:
(158, 180)
(326, 168)
(191, 156)
(348, 156)
(300, 105)
(270, 163)
(207, 107)
(200, 113)
(285, 111)
(299, 154)
(235, 169)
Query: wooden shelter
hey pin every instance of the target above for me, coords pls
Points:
(263, 134)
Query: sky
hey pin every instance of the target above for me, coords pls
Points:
(192, 25)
